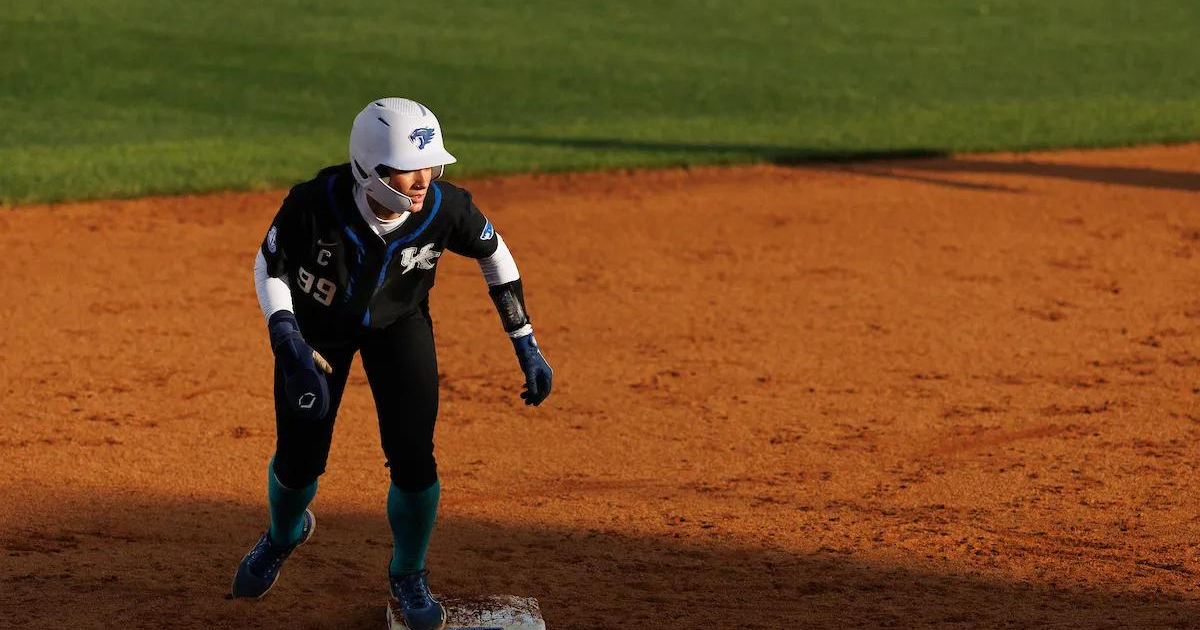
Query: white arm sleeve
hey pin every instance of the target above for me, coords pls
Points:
(500, 267)
(273, 293)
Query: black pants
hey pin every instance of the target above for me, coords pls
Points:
(401, 366)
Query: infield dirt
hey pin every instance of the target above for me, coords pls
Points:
(955, 392)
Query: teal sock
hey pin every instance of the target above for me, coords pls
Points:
(411, 515)
(287, 508)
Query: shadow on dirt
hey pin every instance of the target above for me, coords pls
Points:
(928, 160)
(887, 173)
(1122, 175)
(151, 564)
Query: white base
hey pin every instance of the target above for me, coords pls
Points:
(496, 612)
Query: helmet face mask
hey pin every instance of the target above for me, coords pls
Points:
(395, 134)
(378, 188)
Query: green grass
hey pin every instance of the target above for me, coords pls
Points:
(103, 98)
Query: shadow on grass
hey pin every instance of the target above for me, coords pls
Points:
(927, 160)
(766, 153)
(145, 563)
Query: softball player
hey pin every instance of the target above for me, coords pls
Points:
(346, 267)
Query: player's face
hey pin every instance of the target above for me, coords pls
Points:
(412, 183)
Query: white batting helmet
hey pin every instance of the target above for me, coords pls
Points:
(395, 133)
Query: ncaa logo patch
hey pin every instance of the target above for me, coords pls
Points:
(422, 136)
(272, 239)
(488, 232)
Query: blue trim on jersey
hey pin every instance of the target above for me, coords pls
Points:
(360, 251)
(391, 250)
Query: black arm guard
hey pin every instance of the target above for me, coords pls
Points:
(509, 299)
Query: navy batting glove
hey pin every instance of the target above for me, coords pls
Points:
(303, 381)
(537, 372)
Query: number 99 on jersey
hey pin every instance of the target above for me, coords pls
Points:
(321, 289)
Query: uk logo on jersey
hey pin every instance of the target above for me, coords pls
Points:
(422, 136)
(413, 258)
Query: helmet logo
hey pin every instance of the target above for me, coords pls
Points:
(422, 136)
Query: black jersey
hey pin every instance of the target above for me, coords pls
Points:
(343, 276)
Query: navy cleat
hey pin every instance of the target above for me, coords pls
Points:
(260, 568)
(420, 609)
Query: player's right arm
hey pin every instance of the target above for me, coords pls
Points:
(274, 295)
(302, 366)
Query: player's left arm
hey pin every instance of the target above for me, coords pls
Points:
(476, 238)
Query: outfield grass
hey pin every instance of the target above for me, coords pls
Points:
(123, 98)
